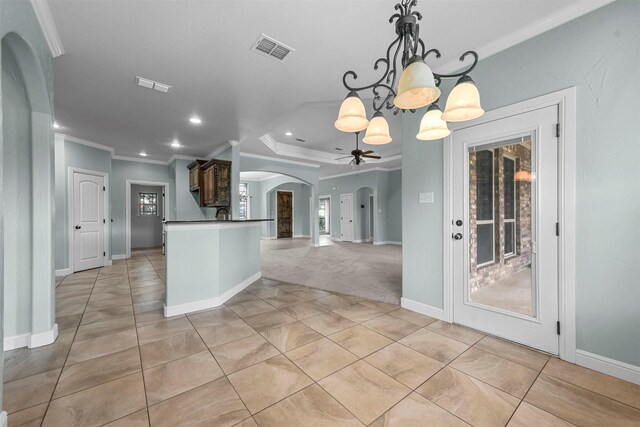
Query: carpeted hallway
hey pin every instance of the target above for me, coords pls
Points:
(363, 270)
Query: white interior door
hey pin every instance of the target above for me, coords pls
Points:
(505, 207)
(346, 217)
(88, 221)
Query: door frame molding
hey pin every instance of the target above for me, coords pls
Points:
(567, 110)
(127, 230)
(372, 215)
(106, 240)
(293, 212)
(327, 196)
(353, 217)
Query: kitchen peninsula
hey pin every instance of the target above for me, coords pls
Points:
(209, 261)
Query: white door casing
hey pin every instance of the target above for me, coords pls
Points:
(346, 217)
(538, 331)
(88, 221)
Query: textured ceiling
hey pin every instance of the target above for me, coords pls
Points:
(202, 49)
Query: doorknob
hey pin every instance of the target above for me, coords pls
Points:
(78, 227)
(459, 222)
(457, 236)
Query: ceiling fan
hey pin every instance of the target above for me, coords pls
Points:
(359, 155)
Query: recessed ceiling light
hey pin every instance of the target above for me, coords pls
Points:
(56, 125)
(288, 134)
(176, 144)
(195, 120)
(143, 154)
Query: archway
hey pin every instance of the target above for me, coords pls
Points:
(27, 198)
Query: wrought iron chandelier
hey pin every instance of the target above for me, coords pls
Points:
(417, 87)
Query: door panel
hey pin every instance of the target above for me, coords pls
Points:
(346, 217)
(88, 221)
(285, 214)
(505, 248)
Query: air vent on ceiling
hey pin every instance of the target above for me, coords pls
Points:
(301, 140)
(339, 149)
(271, 48)
(151, 84)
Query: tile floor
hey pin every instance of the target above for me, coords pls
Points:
(280, 354)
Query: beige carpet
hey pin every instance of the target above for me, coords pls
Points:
(363, 270)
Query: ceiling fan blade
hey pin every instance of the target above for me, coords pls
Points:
(342, 158)
(367, 152)
(371, 157)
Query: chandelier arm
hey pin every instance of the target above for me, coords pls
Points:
(390, 93)
(461, 73)
(416, 35)
(384, 75)
(435, 51)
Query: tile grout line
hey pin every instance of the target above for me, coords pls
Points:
(527, 392)
(64, 364)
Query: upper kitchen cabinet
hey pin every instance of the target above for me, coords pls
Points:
(216, 184)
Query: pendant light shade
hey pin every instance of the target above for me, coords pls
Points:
(432, 126)
(352, 116)
(463, 102)
(417, 87)
(378, 131)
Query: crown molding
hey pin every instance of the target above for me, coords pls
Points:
(359, 172)
(135, 159)
(180, 157)
(219, 150)
(48, 27)
(527, 32)
(81, 141)
(275, 159)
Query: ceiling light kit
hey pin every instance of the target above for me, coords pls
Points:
(195, 120)
(56, 125)
(288, 133)
(417, 87)
(176, 144)
(143, 154)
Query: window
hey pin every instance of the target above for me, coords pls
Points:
(243, 212)
(147, 204)
(485, 207)
(323, 216)
(509, 207)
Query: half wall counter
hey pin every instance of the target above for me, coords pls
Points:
(208, 262)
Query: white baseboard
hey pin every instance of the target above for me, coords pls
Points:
(44, 338)
(388, 242)
(119, 256)
(3, 419)
(268, 238)
(204, 304)
(301, 236)
(418, 307)
(108, 263)
(16, 341)
(356, 241)
(31, 340)
(608, 366)
(63, 272)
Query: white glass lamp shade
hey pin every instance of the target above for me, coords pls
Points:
(463, 102)
(378, 131)
(352, 116)
(417, 87)
(432, 126)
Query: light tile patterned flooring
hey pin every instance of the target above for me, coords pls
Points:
(280, 354)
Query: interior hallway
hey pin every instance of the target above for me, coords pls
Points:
(325, 359)
(357, 269)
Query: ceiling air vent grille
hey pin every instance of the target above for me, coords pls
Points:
(271, 48)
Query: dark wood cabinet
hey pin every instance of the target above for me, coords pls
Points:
(195, 174)
(216, 184)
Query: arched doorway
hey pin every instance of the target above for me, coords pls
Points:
(27, 198)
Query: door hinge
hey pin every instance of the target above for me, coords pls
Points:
(104, 254)
(558, 327)
(104, 221)
(104, 188)
(557, 228)
(557, 130)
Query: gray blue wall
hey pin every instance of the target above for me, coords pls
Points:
(186, 205)
(599, 55)
(301, 201)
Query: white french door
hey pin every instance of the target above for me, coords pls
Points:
(505, 244)
(346, 217)
(88, 221)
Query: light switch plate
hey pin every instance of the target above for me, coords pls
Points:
(426, 197)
